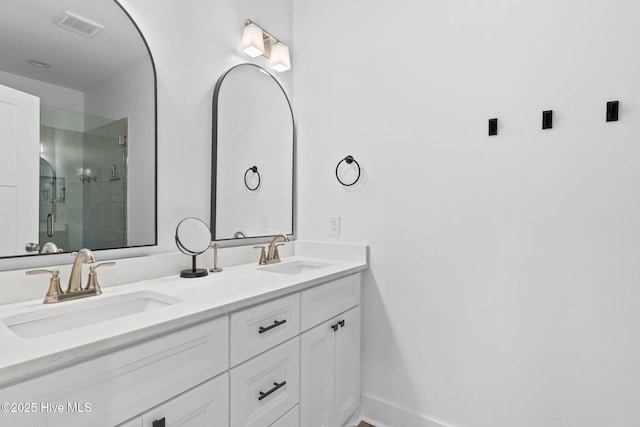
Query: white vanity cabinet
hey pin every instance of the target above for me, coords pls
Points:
(320, 368)
(118, 386)
(330, 354)
(291, 419)
(265, 387)
(291, 361)
(261, 327)
(203, 406)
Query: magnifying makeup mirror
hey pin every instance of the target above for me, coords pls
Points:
(193, 237)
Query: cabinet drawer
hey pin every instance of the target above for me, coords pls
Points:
(205, 405)
(323, 302)
(134, 422)
(259, 328)
(292, 419)
(125, 383)
(266, 387)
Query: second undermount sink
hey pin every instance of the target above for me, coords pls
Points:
(294, 267)
(76, 314)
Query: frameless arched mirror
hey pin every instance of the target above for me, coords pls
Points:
(91, 157)
(253, 152)
(193, 238)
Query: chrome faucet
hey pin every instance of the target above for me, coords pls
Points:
(272, 254)
(83, 256)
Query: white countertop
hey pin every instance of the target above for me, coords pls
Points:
(201, 299)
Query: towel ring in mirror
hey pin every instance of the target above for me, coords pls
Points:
(253, 169)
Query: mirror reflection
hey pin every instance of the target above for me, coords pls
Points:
(91, 158)
(253, 149)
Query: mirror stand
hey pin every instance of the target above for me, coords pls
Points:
(193, 271)
(193, 238)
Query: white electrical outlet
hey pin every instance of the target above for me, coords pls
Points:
(334, 225)
(264, 223)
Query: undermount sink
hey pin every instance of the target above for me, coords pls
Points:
(294, 267)
(76, 314)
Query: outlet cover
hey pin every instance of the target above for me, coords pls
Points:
(334, 225)
(265, 223)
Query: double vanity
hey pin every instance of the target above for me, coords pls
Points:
(255, 345)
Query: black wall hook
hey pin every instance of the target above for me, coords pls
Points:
(253, 169)
(348, 160)
(612, 111)
(493, 127)
(547, 119)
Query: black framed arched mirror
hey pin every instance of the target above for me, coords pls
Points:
(92, 159)
(253, 156)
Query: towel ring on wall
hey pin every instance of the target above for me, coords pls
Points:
(253, 169)
(349, 159)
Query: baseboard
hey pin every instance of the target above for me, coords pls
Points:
(384, 414)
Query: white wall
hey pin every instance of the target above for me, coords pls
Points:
(49, 94)
(504, 270)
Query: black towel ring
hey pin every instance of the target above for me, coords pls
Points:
(253, 169)
(349, 159)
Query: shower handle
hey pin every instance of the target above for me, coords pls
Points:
(50, 225)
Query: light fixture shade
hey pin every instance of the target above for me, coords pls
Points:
(252, 40)
(279, 59)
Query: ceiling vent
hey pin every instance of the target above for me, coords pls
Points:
(79, 25)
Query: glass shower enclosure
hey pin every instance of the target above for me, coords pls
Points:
(83, 181)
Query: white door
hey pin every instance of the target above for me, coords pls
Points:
(317, 376)
(19, 170)
(347, 395)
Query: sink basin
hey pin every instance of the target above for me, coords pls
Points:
(76, 314)
(294, 267)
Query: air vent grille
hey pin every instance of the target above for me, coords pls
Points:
(79, 25)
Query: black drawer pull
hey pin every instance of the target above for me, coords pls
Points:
(276, 323)
(276, 387)
(158, 423)
(338, 325)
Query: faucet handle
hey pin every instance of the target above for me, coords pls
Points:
(263, 256)
(102, 264)
(43, 271)
(54, 285)
(92, 282)
(276, 255)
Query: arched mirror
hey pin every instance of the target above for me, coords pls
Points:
(253, 154)
(89, 144)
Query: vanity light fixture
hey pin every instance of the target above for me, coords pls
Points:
(256, 41)
(279, 60)
(252, 40)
